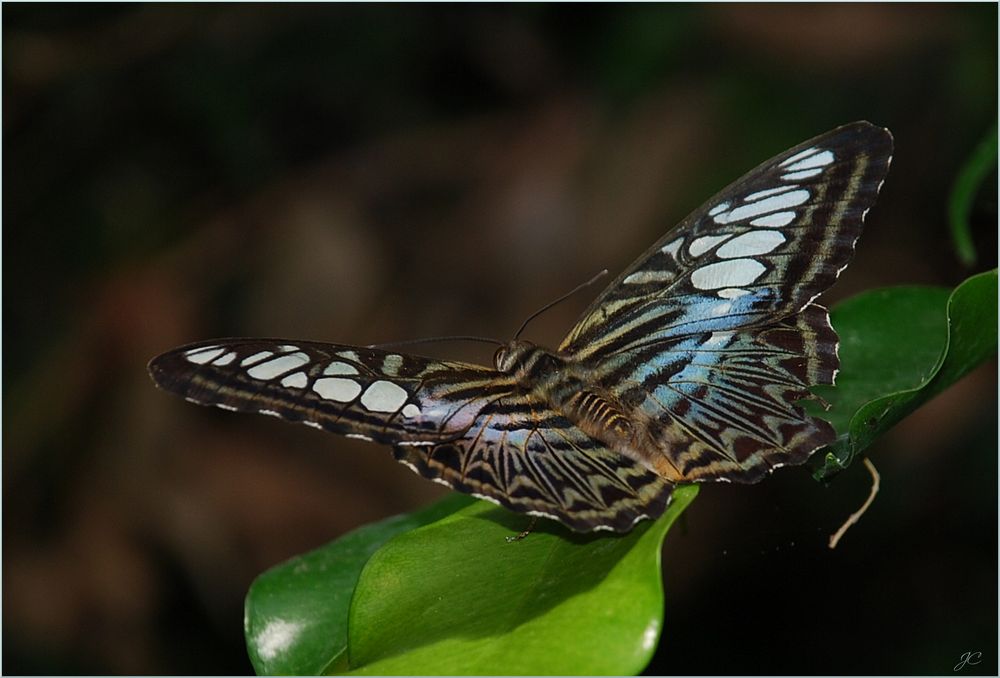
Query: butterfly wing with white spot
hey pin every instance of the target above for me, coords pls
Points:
(468, 427)
(722, 406)
(760, 250)
(710, 338)
(363, 392)
(523, 455)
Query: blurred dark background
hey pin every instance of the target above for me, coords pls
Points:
(365, 174)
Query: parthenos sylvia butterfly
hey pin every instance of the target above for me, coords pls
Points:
(686, 368)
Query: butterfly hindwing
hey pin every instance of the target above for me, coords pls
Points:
(721, 405)
(522, 455)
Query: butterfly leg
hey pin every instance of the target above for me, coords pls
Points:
(521, 535)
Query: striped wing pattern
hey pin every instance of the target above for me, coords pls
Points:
(722, 406)
(522, 455)
(761, 249)
(362, 392)
(466, 426)
(688, 367)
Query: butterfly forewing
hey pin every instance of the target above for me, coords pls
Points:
(382, 396)
(709, 339)
(761, 249)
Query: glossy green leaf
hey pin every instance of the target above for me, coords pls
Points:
(295, 618)
(899, 348)
(455, 597)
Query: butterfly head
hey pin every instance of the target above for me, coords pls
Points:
(524, 360)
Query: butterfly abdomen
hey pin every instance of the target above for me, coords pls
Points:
(594, 411)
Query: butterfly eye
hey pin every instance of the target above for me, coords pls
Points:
(500, 359)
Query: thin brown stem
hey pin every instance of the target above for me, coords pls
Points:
(856, 516)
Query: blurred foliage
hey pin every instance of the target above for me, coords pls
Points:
(970, 180)
(368, 173)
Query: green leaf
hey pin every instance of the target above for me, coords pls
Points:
(598, 597)
(455, 597)
(899, 348)
(970, 178)
(295, 617)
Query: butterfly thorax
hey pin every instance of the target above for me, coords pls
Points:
(564, 386)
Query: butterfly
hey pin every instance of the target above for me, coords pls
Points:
(687, 368)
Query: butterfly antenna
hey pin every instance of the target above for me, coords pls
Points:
(564, 297)
(428, 340)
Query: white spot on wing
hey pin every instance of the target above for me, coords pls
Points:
(287, 348)
(411, 411)
(391, 364)
(314, 424)
(672, 247)
(272, 368)
(802, 174)
(295, 380)
(718, 339)
(226, 359)
(730, 273)
(751, 243)
(720, 309)
(350, 355)
(337, 367)
(358, 436)
(818, 160)
(384, 396)
(270, 413)
(492, 500)
(721, 207)
(200, 356)
(256, 357)
(776, 220)
(763, 194)
(703, 244)
(772, 204)
(799, 156)
(410, 466)
(643, 277)
(732, 293)
(335, 388)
